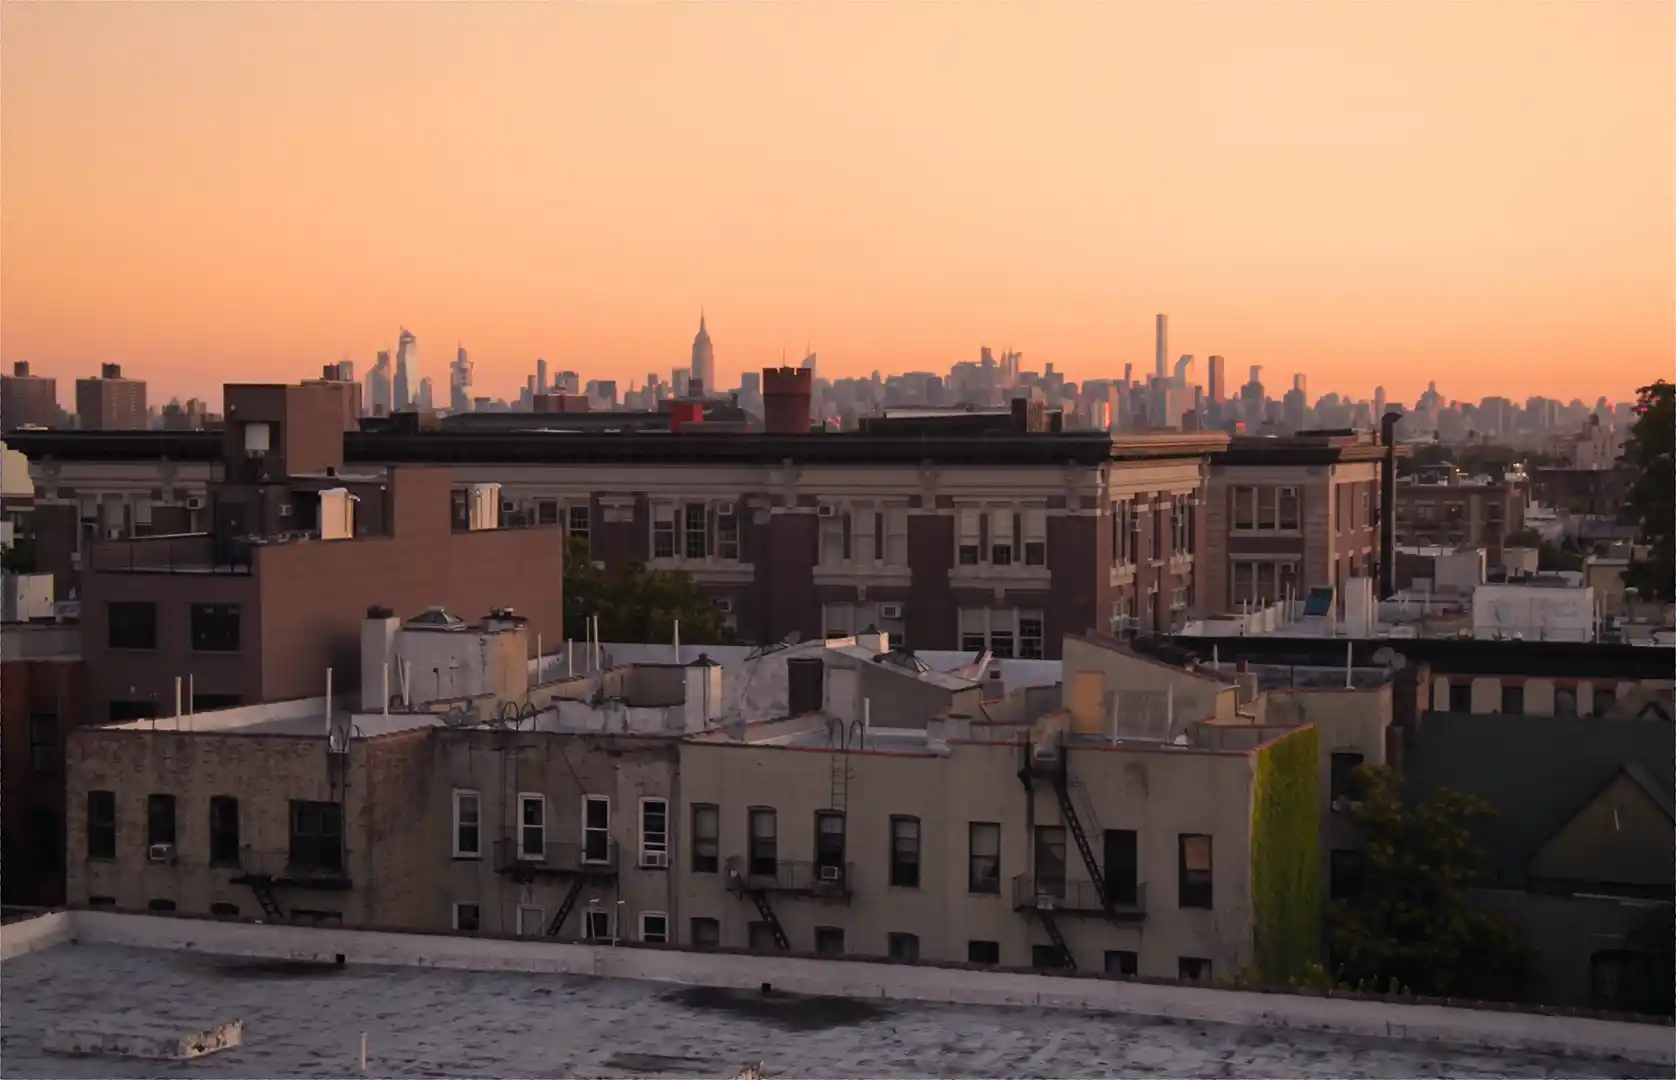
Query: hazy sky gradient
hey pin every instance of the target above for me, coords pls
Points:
(1480, 193)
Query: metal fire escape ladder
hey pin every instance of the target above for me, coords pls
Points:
(1051, 924)
(556, 927)
(263, 887)
(766, 909)
(841, 736)
(1074, 822)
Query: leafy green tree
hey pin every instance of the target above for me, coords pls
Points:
(636, 603)
(1653, 498)
(1411, 925)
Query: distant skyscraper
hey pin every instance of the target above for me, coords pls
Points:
(424, 401)
(380, 387)
(406, 379)
(540, 375)
(459, 382)
(810, 363)
(111, 402)
(704, 359)
(1216, 380)
(1161, 357)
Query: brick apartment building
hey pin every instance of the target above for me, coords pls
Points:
(28, 400)
(41, 682)
(1287, 514)
(110, 402)
(1006, 537)
(1447, 510)
(294, 551)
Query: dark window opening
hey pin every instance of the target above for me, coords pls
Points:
(1122, 866)
(706, 933)
(1122, 963)
(215, 628)
(1047, 957)
(1343, 783)
(45, 843)
(160, 904)
(1460, 697)
(983, 952)
(224, 830)
(225, 911)
(904, 852)
(160, 819)
(45, 752)
(1344, 874)
(131, 624)
(765, 843)
(1513, 699)
(121, 712)
(101, 901)
(829, 941)
(760, 937)
(983, 855)
(903, 946)
(706, 839)
(1195, 884)
(829, 842)
(1193, 969)
(101, 825)
(316, 836)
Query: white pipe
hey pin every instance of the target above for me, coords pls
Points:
(1349, 662)
(598, 653)
(569, 658)
(363, 1051)
(386, 688)
(177, 697)
(191, 694)
(540, 661)
(1170, 711)
(866, 714)
(1216, 658)
(677, 641)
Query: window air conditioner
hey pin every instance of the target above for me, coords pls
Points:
(655, 860)
(827, 510)
(160, 853)
(890, 611)
(113, 534)
(195, 502)
(724, 509)
(723, 604)
(284, 509)
(832, 873)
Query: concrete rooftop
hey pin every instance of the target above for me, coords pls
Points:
(305, 1021)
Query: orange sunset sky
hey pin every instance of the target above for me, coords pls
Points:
(1477, 192)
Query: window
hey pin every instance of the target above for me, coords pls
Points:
(904, 852)
(215, 628)
(1031, 635)
(131, 625)
(1194, 886)
(1565, 701)
(596, 829)
(903, 946)
(706, 839)
(1181, 518)
(764, 851)
(695, 531)
(983, 952)
(101, 901)
(1460, 697)
(224, 911)
(706, 933)
(1289, 516)
(1245, 582)
(970, 545)
(1122, 963)
(1193, 969)
(1512, 699)
(838, 620)
(829, 843)
(1122, 866)
(1267, 499)
(727, 536)
(224, 830)
(468, 918)
(760, 937)
(1345, 874)
(1343, 782)
(866, 545)
(654, 832)
(663, 531)
(829, 941)
(160, 819)
(532, 921)
(834, 538)
(45, 843)
(316, 835)
(44, 751)
(547, 512)
(579, 522)
(1050, 860)
(1604, 700)
(101, 824)
(532, 826)
(1034, 522)
(896, 536)
(1001, 546)
(654, 927)
(1047, 957)
(160, 904)
(468, 824)
(983, 857)
(596, 924)
(1245, 508)
(1339, 503)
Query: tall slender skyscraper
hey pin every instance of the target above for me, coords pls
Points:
(1161, 358)
(540, 375)
(459, 383)
(1216, 380)
(704, 359)
(406, 382)
(380, 397)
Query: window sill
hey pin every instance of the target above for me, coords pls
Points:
(467, 856)
(651, 866)
(990, 572)
(131, 648)
(195, 651)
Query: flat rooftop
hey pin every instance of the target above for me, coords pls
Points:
(306, 1021)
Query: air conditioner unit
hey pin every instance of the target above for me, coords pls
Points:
(654, 860)
(723, 604)
(196, 502)
(160, 853)
(826, 510)
(1046, 902)
(724, 509)
(284, 509)
(832, 873)
(890, 611)
(113, 534)
(507, 506)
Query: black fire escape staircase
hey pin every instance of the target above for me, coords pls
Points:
(574, 893)
(759, 896)
(263, 886)
(1063, 788)
(1027, 772)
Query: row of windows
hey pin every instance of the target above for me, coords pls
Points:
(531, 838)
(1172, 534)
(1001, 537)
(1513, 699)
(863, 535)
(132, 624)
(1006, 633)
(695, 531)
(315, 833)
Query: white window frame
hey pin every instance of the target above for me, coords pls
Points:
(525, 798)
(968, 534)
(463, 796)
(896, 535)
(1035, 533)
(540, 920)
(694, 530)
(1001, 537)
(604, 915)
(832, 625)
(727, 536)
(455, 915)
(833, 537)
(663, 519)
(662, 938)
(582, 853)
(647, 846)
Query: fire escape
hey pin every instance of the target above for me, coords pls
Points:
(592, 861)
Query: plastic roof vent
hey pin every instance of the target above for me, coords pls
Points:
(436, 618)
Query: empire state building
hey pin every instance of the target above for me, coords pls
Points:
(704, 360)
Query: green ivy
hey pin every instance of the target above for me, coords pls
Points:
(1286, 856)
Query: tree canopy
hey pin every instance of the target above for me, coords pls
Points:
(1410, 924)
(637, 603)
(1653, 498)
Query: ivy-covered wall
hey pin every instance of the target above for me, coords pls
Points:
(1286, 856)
